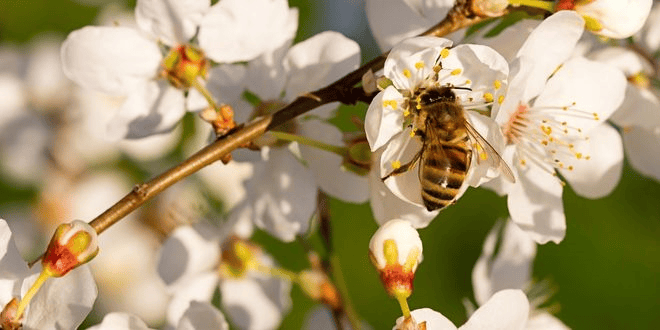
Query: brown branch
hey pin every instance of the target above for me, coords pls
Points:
(342, 90)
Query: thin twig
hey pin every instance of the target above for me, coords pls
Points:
(342, 90)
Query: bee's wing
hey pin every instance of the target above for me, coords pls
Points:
(486, 153)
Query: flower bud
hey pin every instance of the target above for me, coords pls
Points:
(317, 286)
(489, 8)
(8, 316)
(72, 245)
(396, 250)
(183, 65)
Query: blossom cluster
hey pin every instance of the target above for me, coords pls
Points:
(526, 108)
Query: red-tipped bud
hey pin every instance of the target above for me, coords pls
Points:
(72, 245)
(8, 316)
(318, 287)
(396, 250)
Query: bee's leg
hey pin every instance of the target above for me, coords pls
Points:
(405, 167)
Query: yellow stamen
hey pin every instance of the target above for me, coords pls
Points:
(456, 72)
(488, 97)
(497, 84)
(419, 65)
(444, 52)
(407, 73)
(396, 164)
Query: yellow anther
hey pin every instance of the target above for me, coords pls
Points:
(500, 99)
(587, 157)
(570, 168)
(497, 84)
(456, 72)
(396, 164)
(544, 142)
(595, 116)
(488, 97)
(390, 103)
(444, 52)
(467, 82)
(412, 133)
(523, 162)
(578, 155)
(419, 65)
(407, 73)
(391, 252)
(546, 129)
(563, 123)
(406, 113)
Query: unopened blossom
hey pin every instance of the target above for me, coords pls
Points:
(478, 77)
(61, 303)
(639, 114)
(129, 62)
(396, 251)
(510, 267)
(610, 18)
(553, 119)
(506, 310)
(281, 194)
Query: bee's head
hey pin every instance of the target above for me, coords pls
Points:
(438, 94)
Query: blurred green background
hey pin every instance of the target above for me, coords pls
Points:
(606, 271)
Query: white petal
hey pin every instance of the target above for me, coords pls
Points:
(593, 88)
(319, 61)
(187, 252)
(642, 148)
(199, 288)
(509, 41)
(327, 167)
(481, 65)
(625, 59)
(597, 176)
(236, 30)
(114, 60)
(544, 321)
(172, 21)
(14, 98)
(640, 108)
(433, 319)
(483, 171)
(511, 268)
(151, 108)
(120, 321)
(202, 315)
(394, 21)
(618, 18)
(283, 193)
(12, 266)
(382, 120)
(61, 303)
(226, 83)
(536, 206)
(255, 303)
(651, 32)
(402, 149)
(547, 47)
(506, 310)
(387, 206)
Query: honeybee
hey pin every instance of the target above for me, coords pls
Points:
(448, 141)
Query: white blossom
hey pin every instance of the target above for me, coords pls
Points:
(479, 75)
(553, 119)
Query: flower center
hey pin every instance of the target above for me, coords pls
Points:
(544, 139)
(183, 64)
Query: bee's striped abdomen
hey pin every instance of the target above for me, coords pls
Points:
(442, 173)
